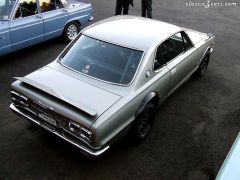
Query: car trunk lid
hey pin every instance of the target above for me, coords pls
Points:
(86, 97)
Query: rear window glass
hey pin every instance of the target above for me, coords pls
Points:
(102, 60)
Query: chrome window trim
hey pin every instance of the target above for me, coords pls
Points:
(118, 84)
(15, 11)
(25, 26)
(64, 7)
(188, 39)
(155, 52)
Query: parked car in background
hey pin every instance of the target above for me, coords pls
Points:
(27, 22)
(111, 79)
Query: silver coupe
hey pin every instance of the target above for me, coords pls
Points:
(110, 80)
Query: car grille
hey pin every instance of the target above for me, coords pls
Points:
(61, 120)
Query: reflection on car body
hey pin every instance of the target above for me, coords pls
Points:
(27, 22)
(111, 79)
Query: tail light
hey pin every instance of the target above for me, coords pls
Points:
(19, 98)
(80, 131)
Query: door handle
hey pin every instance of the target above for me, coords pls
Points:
(173, 70)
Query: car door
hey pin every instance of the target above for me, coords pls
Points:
(55, 16)
(161, 73)
(26, 26)
(179, 60)
(5, 39)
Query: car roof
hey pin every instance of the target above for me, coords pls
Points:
(131, 31)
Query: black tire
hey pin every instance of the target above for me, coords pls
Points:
(203, 66)
(143, 123)
(71, 31)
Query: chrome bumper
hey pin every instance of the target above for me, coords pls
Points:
(56, 132)
(91, 18)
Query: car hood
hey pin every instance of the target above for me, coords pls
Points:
(84, 96)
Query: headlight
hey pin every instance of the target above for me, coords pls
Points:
(19, 98)
(80, 131)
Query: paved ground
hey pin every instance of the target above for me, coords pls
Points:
(194, 128)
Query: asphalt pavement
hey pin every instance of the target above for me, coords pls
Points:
(193, 131)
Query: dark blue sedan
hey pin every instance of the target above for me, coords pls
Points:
(27, 22)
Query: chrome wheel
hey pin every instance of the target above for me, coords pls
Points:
(72, 31)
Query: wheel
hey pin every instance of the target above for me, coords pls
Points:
(71, 31)
(143, 124)
(203, 66)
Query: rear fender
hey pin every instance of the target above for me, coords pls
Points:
(151, 97)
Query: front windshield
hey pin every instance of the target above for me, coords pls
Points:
(102, 60)
(6, 9)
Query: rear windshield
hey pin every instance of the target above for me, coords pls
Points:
(102, 60)
(6, 7)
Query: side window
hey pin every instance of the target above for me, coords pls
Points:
(59, 4)
(50, 5)
(186, 40)
(168, 50)
(26, 8)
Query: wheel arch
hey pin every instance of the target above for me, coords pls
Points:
(151, 97)
(207, 52)
(73, 20)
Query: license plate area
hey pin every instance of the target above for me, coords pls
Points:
(47, 119)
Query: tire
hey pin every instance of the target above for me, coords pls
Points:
(143, 123)
(71, 31)
(203, 66)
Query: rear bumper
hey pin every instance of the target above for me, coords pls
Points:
(91, 18)
(83, 148)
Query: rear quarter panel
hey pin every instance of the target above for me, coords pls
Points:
(80, 12)
(202, 43)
